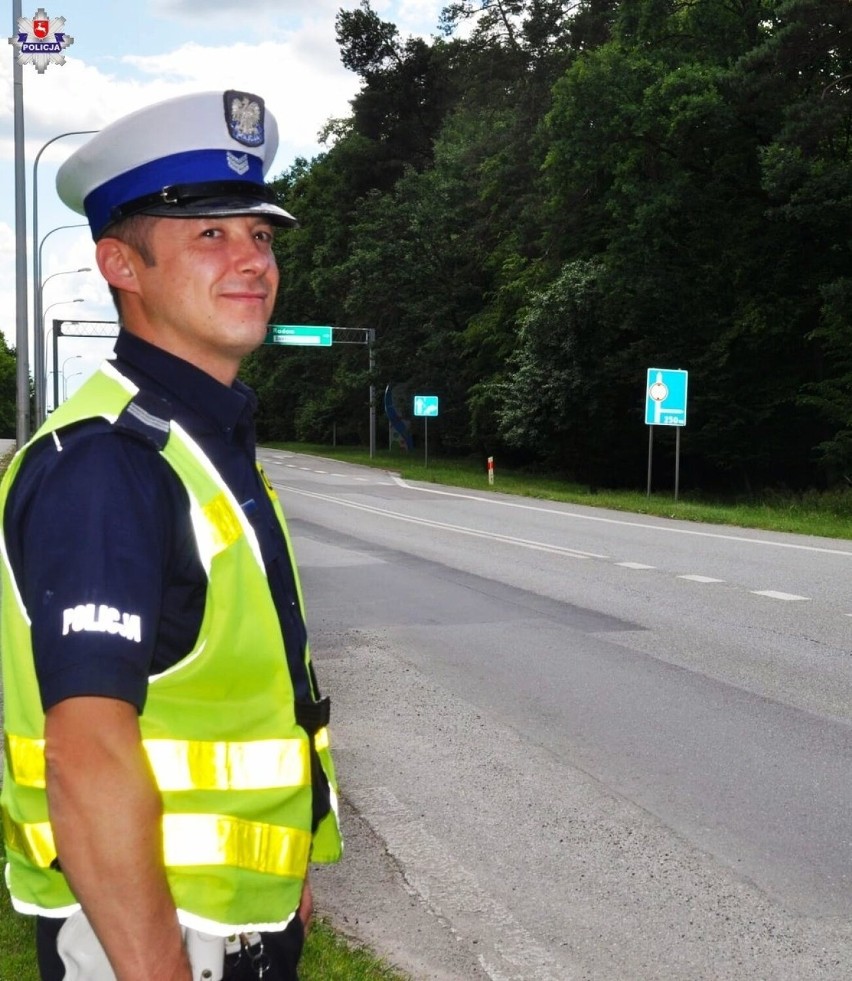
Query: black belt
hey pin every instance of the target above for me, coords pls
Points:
(313, 716)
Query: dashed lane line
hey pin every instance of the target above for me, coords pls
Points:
(774, 594)
(526, 543)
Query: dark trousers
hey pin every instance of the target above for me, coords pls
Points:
(283, 951)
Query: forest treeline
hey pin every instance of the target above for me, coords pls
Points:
(548, 198)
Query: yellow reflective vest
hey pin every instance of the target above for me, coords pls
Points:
(219, 727)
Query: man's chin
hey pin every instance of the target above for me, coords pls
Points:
(249, 337)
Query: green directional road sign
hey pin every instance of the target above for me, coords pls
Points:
(296, 335)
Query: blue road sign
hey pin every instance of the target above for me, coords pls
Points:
(665, 397)
(425, 405)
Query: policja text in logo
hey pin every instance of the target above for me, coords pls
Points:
(41, 41)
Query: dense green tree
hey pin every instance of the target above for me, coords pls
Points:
(559, 405)
(804, 71)
(8, 391)
(531, 216)
(655, 165)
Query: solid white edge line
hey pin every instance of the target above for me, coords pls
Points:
(630, 524)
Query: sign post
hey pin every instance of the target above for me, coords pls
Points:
(425, 406)
(665, 405)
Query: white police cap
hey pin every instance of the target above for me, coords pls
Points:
(194, 156)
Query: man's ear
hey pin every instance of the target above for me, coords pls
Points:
(117, 262)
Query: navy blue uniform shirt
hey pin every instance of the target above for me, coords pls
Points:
(98, 517)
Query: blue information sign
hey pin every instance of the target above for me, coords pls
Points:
(425, 405)
(665, 397)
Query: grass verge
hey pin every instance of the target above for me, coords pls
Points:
(330, 957)
(17, 939)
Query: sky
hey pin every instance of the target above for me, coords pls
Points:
(125, 56)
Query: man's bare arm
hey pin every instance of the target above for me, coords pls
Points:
(106, 815)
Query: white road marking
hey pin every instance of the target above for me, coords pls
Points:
(557, 549)
(444, 526)
(661, 528)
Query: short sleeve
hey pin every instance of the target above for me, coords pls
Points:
(89, 525)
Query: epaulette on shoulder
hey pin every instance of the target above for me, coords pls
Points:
(148, 417)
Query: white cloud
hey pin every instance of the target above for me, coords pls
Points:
(286, 52)
(411, 16)
(7, 240)
(301, 80)
(264, 14)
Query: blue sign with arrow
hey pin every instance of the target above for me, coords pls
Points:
(665, 397)
(425, 405)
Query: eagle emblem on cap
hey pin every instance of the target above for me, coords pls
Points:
(244, 117)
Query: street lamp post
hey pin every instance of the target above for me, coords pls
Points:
(40, 366)
(46, 236)
(66, 272)
(22, 380)
(58, 303)
(38, 313)
(73, 357)
(65, 383)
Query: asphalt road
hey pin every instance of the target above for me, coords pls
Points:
(578, 744)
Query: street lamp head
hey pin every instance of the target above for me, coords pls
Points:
(65, 272)
(60, 303)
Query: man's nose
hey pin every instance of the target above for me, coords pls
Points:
(252, 254)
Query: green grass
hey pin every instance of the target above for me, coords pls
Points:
(826, 514)
(17, 944)
(330, 957)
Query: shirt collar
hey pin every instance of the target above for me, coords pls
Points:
(179, 381)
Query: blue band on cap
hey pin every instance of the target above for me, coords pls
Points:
(191, 167)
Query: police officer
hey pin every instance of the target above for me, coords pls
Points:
(167, 777)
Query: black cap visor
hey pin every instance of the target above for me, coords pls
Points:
(222, 199)
(223, 208)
